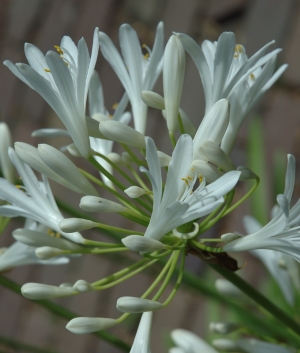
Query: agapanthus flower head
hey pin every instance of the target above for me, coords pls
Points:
(62, 79)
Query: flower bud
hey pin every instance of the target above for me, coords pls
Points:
(73, 150)
(226, 345)
(46, 252)
(50, 133)
(38, 239)
(216, 155)
(142, 244)
(164, 159)
(98, 204)
(208, 171)
(137, 305)
(228, 237)
(246, 173)
(82, 286)
(134, 192)
(126, 158)
(223, 327)
(225, 287)
(115, 157)
(173, 77)
(6, 165)
(81, 325)
(65, 168)
(116, 131)
(71, 225)
(153, 100)
(93, 128)
(38, 291)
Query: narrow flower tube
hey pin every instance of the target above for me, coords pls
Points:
(71, 225)
(137, 305)
(141, 342)
(98, 204)
(82, 325)
(47, 252)
(173, 77)
(142, 244)
(6, 165)
(134, 192)
(38, 291)
(122, 133)
(64, 167)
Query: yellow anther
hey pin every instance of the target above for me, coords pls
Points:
(238, 49)
(144, 46)
(200, 178)
(58, 48)
(47, 70)
(188, 177)
(57, 235)
(111, 116)
(114, 106)
(66, 64)
(186, 181)
(252, 77)
(146, 56)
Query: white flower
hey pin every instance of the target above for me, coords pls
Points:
(98, 112)
(271, 259)
(226, 72)
(282, 233)
(136, 71)
(190, 343)
(179, 203)
(141, 342)
(36, 203)
(63, 81)
(6, 166)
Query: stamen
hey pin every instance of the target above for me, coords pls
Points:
(58, 48)
(47, 70)
(200, 177)
(238, 49)
(186, 181)
(146, 56)
(114, 106)
(252, 77)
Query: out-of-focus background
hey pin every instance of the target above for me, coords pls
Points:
(44, 23)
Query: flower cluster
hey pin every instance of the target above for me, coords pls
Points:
(174, 198)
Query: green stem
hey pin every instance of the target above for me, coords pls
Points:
(117, 229)
(172, 138)
(260, 299)
(132, 155)
(66, 314)
(180, 124)
(94, 251)
(24, 347)
(233, 207)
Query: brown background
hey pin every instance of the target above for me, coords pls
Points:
(43, 23)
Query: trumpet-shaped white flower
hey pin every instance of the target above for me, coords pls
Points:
(179, 203)
(141, 342)
(36, 203)
(226, 72)
(282, 232)
(190, 343)
(98, 112)
(63, 81)
(271, 259)
(136, 71)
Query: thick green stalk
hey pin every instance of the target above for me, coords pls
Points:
(260, 299)
(66, 314)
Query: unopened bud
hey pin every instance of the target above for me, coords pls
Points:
(134, 192)
(115, 158)
(228, 237)
(38, 291)
(227, 288)
(98, 204)
(6, 165)
(81, 325)
(208, 171)
(116, 131)
(73, 150)
(216, 155)
(223, 327)
(137, 305)
(153, 100)
(46, 252)
(226, 345)
(71, 225)
(126, 158)
(246, 173)
(82, 286)
(164, 159)
(142, 244)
